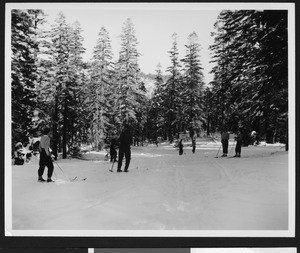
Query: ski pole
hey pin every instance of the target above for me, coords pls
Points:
(112, 166)
(55, 175)
(62, 171)
(218, 151)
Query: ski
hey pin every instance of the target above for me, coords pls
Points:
(73, 179)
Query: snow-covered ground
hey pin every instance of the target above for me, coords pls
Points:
(161, 191)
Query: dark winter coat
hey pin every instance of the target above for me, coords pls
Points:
(112, 147)
(238, 147)
(239, 138)
(125, 139)
(225, 136)
(180, 145)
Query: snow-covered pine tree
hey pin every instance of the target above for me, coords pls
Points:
(221, 84)
(173, 91)
(66, 50)
(73, 89)
(128, 78)
(157, 113)
(193, 82)
(59, 60)
(24, 47)
(251, 51)
(141, 112)
(101, 100)
(43, 87)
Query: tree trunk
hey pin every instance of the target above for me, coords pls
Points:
(207, 128)
(55, 133)
(64, 141)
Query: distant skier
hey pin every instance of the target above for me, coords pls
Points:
(125, 141)
(112, 150)
(194, 143)
(156, 142)
(45, 157)
(180, 146)
(253, 137)
(224, 140)
(238, 147)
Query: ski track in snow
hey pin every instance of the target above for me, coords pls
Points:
(161, 191)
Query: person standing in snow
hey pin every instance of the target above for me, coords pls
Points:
(180, 146)
(45, 157)
(194, 143)
(224, 140)
(125, 141)
(253, 137)
(112, 150)
(238, 147)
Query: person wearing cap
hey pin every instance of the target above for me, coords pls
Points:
(225, 140)
(238, 146)
(45, 157)
(125, 141)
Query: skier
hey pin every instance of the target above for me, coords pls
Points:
(125, 141)
(194, 143)
(253, 137)
(238, 146)
(112, 150)
(224, 140)
(180, 145)
(45, 157)
(156, 142)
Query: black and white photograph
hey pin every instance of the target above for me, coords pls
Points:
(150, 119)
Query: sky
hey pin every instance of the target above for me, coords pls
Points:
(153, 24)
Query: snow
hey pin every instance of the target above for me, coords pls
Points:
(161, 192)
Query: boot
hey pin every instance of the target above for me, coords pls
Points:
(41, 179)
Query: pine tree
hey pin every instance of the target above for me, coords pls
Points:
(102, 89)
(251, 51)
(24, 47)
(157, 115)
(73, 88)
(173, 89)
(128, 78)
(193, 82)
(66, 62)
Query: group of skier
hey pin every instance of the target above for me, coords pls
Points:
(124, 143)
(224, 142)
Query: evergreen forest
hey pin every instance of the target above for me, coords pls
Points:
(86, 102)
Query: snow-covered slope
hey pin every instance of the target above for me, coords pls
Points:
(162, 192)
